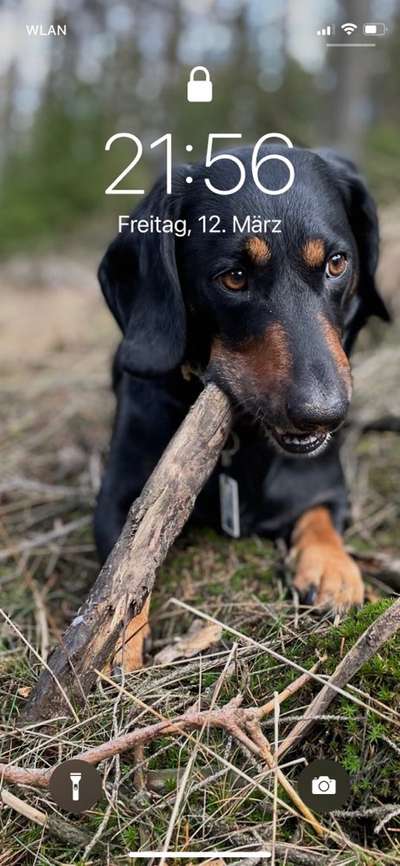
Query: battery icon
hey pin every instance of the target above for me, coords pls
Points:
(374, 29)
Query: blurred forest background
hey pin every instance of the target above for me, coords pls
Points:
(123, 67)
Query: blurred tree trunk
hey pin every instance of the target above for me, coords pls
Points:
(349, 108)
(8, 84)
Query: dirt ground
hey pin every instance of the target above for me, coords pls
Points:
(56, 341)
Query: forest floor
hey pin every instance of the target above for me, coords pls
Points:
(55, 417)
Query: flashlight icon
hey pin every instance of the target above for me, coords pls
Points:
(374, 29)
(75, 786)
(75, 780)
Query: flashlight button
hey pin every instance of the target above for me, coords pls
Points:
(75, 786)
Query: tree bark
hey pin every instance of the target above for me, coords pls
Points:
(154, 521)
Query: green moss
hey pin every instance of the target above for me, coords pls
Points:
(226, 564)
(384, 664)
(130, 837)
(351, 759)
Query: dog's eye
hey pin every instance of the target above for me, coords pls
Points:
(235, 280)
(336, 265)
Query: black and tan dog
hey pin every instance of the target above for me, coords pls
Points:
(271, 318)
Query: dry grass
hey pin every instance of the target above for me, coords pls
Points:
(55, 422)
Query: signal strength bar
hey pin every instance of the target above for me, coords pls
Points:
(329, 30)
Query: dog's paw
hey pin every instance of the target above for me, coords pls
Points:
(327, 577)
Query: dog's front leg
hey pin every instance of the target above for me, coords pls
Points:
(130, 648)
(325, 575)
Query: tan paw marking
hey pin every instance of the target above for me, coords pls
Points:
(328, 577)
(325, 575)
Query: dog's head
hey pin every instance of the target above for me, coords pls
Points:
(273, 316)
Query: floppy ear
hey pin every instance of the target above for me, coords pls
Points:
(140, 283)
(363, 220)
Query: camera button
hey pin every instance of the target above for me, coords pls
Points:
(324, 785)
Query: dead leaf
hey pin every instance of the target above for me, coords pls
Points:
(198, 638)
(24, 691)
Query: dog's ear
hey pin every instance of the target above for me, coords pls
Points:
(363, 220)
(139, 280)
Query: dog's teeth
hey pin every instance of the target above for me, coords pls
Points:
(300, 440)
(302, 443)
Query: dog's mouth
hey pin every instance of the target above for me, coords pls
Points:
(299, 443)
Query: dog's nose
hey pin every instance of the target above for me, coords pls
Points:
(319, 412)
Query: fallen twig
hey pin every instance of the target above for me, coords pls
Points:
(257, 736)
(223, 717)
(228, 718)
(378, 633)
(64, 830)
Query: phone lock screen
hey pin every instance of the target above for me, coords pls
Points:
(199, 432)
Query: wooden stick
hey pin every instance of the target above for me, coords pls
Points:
(368, 644)
(23, 808)
(155, 520)
(60, 827)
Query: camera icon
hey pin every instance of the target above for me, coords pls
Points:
(323, 785)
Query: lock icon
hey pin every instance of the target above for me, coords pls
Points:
(199, 89)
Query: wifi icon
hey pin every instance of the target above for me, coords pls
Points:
(349, 28)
